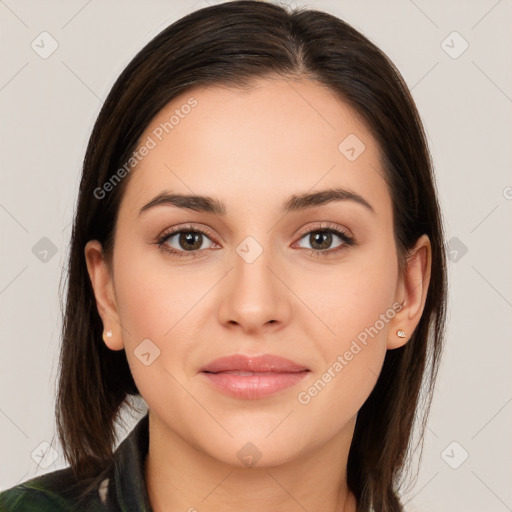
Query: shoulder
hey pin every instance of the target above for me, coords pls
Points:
(117, 485)
(53, 492)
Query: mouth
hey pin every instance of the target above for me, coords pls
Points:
(251, 377)
(244, 374)
(264, 363)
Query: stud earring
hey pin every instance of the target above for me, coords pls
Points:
(400, 333)
(108, 334)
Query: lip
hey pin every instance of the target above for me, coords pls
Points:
(257, 364)
(251, 377)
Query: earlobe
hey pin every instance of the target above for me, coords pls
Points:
(411, 293)
(100, 276)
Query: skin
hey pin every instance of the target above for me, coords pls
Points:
(252, 150)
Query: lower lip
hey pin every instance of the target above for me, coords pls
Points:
(253, 386)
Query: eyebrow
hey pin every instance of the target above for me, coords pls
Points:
(294, 203)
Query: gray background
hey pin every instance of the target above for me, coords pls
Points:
(48, 106)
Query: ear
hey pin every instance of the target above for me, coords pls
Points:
(411, 293)
(102, 283)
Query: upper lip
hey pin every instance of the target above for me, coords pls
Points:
(257, 364)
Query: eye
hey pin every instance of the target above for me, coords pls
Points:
(186, 241)
(189, 241)
(321, 240)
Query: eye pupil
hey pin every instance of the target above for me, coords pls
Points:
(323, 238)
(189, 239)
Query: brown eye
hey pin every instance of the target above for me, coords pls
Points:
(181, 242)
(190, 240)
(322, 240)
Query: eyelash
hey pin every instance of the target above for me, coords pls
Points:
(325, 228)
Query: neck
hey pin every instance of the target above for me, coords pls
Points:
(180, 477)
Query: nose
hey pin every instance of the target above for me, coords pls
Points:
(254, 300)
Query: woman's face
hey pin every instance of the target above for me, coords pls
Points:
(268, 276)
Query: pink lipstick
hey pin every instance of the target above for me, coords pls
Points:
(251, 377)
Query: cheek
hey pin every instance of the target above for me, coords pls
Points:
(353, 308)
(350, 298)
(162, 303)
(158, 305)
(153, 299)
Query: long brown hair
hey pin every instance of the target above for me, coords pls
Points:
(232, 44)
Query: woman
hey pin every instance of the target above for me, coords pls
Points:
(257, 252)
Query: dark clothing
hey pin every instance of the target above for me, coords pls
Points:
(120, 487)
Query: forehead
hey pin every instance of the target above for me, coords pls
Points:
(279, 137)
